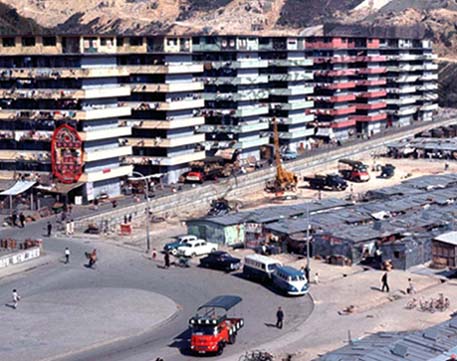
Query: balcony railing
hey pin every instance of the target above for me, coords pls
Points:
(107, 173)
(167, 124)
(169, 160)
(56, 73)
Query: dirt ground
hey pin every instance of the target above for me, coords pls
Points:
(405, 169)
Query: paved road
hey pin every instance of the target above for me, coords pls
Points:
(119, 268)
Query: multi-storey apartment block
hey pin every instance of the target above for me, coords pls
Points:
(89, 109)
(60, 112)
(235, 93)
(166, 102)
(290, 91)
(411, 80)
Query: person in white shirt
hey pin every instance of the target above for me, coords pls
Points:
(67, 255)
(16, 298)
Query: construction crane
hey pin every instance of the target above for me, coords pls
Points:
(285, 180)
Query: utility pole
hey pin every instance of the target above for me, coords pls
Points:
(308, 269)
(146, 193)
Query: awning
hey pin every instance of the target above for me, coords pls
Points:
(59, 187)
(18, 188)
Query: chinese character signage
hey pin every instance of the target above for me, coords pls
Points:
(66, 150)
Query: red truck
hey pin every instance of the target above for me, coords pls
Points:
(211, 329)
(353, 170)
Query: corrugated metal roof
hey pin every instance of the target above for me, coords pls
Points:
(449, 238)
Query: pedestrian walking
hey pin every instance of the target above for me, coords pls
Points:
(49, 228)
(154, 254)
(167, 259)
(16, 298)
(72, 226)
(14, 219)
(22, 219)
(279, 318)
(67, 228)
(70, 208)
(411, 290)
(67, 255)
(446, 166)
(316, 278)
(385, 285)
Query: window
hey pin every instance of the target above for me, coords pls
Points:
(136, 41)
(120, 41)
(8, 42)
(106, 41)
(28, 41)
(396, 254)
(49, 41)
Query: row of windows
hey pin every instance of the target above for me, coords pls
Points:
(29, 41)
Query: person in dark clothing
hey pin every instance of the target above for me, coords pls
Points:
(22, 219)
(167, 259)
(385, 285)
(14, 219)
(49, 229)
(279, 317)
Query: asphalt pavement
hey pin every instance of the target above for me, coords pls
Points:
(121, 273)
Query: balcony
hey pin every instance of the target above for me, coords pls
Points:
(294, 119)
(92, 156)
(57, 73)
(236, 80)
(428, 107)
(293, 105)
(252, 143)
(183, 68)
(166, 106)
(335, 85)
(105, 133)
(369, 118)
(167, 124)
(243, 128)
(107, 173)
(170, 160)
(103, 113)
(372, 106)
(335, 98)
(166, 143)
(379, 70)
(25, 155)
(167, 88)
(334, 73)
(240, 64)
(296, 134)
(377, 82)
(303, 90)
(110, 92)
(429, 77)
(334, 112)
(251, 111)
(251, 94)
(406, 111)
(290, 62)
(402, 101)
(292, 76)
(372, 94)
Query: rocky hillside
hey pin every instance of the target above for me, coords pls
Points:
(438, 17)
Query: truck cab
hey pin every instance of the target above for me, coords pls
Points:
(211, 328)
(354, 171)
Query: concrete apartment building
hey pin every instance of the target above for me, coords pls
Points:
(412, 88)
(290, 90)
(60, 113)
(349, 81)
(236, 94)
(89, 109)
(165, 101)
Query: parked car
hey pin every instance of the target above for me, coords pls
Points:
(172, 247)
(289, 155)
(221, 260)
(196, 248)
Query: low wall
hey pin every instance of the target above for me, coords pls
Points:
(200, 197)
(19, 257)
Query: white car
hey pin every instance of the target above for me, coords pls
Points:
(196, 248)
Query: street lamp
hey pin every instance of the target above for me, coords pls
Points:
(307, 270)
(146, 190)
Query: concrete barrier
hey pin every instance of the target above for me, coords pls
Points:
(199, 198)
(19, 257)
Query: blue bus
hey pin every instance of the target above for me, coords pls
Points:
(290, 281)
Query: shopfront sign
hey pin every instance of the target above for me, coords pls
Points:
(67, 154)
